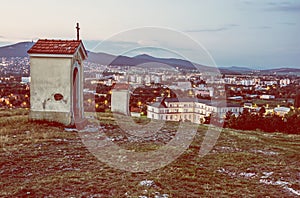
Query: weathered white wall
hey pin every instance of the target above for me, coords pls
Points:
(120, 101)
(48, 77)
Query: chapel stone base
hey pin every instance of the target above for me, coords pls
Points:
(64, 118)
(60, 117)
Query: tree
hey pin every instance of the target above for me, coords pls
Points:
(292, 122)
(262, 111)
(214, 119)
(247, 121)
(297, 100)
(202, 120)
(230, 120)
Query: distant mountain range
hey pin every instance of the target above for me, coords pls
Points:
(20, 49)
(236, 68)
(145, 61)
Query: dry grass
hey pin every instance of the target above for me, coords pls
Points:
(40, 159)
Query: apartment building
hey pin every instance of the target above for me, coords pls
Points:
(189, 109)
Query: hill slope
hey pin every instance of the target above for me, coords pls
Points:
(18, 49)
(41, 159)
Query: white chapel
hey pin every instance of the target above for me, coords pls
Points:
(56, 90)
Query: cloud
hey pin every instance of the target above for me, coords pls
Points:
(109, 45)
(215, 29)
(279, 3)
(148, 42)
(288, 23)
(263, 27)
(208, 30)
(283, 7)
(247, 2)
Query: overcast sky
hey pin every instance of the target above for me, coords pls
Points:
(249, 33)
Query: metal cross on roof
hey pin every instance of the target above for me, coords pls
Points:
(77, 27)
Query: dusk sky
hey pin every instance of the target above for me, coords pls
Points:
(257, 34)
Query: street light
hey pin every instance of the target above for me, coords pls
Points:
(139, 103)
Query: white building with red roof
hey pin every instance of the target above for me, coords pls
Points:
(56, 89)
(120, 98)
(189, 109)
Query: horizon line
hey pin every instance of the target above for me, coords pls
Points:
(7, 44)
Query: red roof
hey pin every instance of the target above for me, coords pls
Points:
(121, 86)
(45, 46)
(135, 109)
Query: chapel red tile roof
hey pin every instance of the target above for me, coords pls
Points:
(45, 46)
(121, 86)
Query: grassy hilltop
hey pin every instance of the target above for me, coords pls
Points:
(42, 159)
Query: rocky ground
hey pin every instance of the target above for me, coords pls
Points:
(47, 160)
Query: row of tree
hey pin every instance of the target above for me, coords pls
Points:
(290, 123)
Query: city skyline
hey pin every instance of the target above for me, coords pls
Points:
(236, 33)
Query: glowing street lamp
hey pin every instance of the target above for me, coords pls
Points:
(139, 103)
